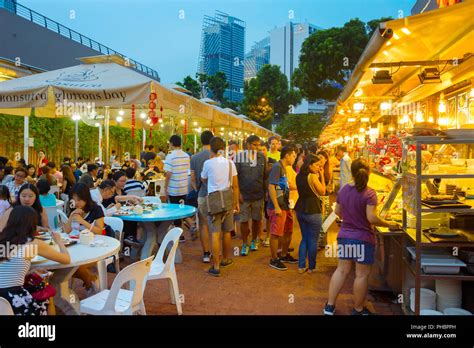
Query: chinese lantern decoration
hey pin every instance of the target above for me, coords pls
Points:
(185, 130)
(151, 108)
(133, 121)
(161, 113)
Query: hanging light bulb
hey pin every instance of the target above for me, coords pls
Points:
(76, 117)
(143, 115)
(442, 106)
(121, 112)
(119, 119)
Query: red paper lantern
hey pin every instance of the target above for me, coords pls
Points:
(152, 105)
(152, 114)
(153, 96)
(133, 121)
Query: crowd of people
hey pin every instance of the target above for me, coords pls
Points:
(256, 191)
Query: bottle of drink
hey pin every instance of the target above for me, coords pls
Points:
(75, 226)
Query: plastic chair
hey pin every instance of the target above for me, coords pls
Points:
(52, 213)
(117, 226)
(5, 307)
(55, 190)
(118, 301)
(160, 270)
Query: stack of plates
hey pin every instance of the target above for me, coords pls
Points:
(427, 301)
(456, 311)
(429, 312)
(449, 294)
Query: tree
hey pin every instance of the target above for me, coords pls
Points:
(217, 85)
(301, 128)
(328, 57)
(191, 85)
(268, 90)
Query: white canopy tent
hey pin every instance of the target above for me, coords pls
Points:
(109, 88)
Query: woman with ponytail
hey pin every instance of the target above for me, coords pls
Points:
(357, 207)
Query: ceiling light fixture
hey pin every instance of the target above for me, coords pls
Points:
(382, 77)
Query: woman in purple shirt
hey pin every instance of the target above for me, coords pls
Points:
(356, 205)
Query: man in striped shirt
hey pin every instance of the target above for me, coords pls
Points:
(177, 168)
(132, 185)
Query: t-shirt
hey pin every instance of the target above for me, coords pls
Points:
(346, 175)
(216, 171)
(275, 155)
(14, 188)
(251, 175)
(133, 185)
(197, 163)
(87, 179)
(94, 214)
(178, 164)
(4, 205)
(277, 177)
(354, 213)
(48, 200)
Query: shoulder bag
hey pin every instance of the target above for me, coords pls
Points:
(221, 201)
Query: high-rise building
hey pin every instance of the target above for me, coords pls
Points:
(222, 49)
(258, 56)
(285, 47)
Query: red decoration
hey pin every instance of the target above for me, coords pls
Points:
(153, 96)
(161, 112)
(152, 106)
(151, 114)
(133, 121)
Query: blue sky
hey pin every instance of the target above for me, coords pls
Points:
(152, 32)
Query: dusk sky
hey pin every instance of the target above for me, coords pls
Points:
(151, 31)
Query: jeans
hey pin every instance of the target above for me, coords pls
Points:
(310, 225)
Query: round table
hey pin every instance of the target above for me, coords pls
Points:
(165, 216)
(66, 298)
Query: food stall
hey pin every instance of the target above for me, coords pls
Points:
(409, 109)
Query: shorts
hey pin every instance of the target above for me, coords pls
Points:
(280, 224)
(357, 250)
(223, 222)
(251, 210)
(202, 210)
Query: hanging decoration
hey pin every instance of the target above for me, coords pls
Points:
(185, 130)
(161, 113)
(133, 121)
(151, 108)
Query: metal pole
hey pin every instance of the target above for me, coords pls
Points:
(143, 136)
(107, 140)
(195, 143)
(76, 139)
(26, 138)
(100, 142)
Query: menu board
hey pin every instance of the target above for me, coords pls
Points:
(409, 194)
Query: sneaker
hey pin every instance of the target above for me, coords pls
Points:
(206, 258)
(289, 259)
(277, 264)
(329, 310)
(226, 263)
(302, 270)
(132, 240)
(245, 250)
(266, 242)
(253, 246)
(364, 311)
(214, 272)
(182, 239)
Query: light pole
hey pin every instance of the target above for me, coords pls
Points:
(76, 118)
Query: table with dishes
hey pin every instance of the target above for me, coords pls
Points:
(82, 253)
(156, 218)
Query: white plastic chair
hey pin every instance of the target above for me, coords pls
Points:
(117, 226)
(5, 307)
(52, 213)
(160, 270)
(118, 301)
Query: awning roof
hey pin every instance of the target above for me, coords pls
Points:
(442, 34)
(112, 85)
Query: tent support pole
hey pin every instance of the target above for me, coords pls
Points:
(100, 143)
(195, 143)
(26, 138)
(143, 139)
(107, 140)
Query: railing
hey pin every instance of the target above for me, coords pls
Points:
(48, 23)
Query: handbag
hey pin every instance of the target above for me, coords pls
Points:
(38, 288)
(221, 201)
(283, 195)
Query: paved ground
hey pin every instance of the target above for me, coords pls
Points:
(250, 286)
